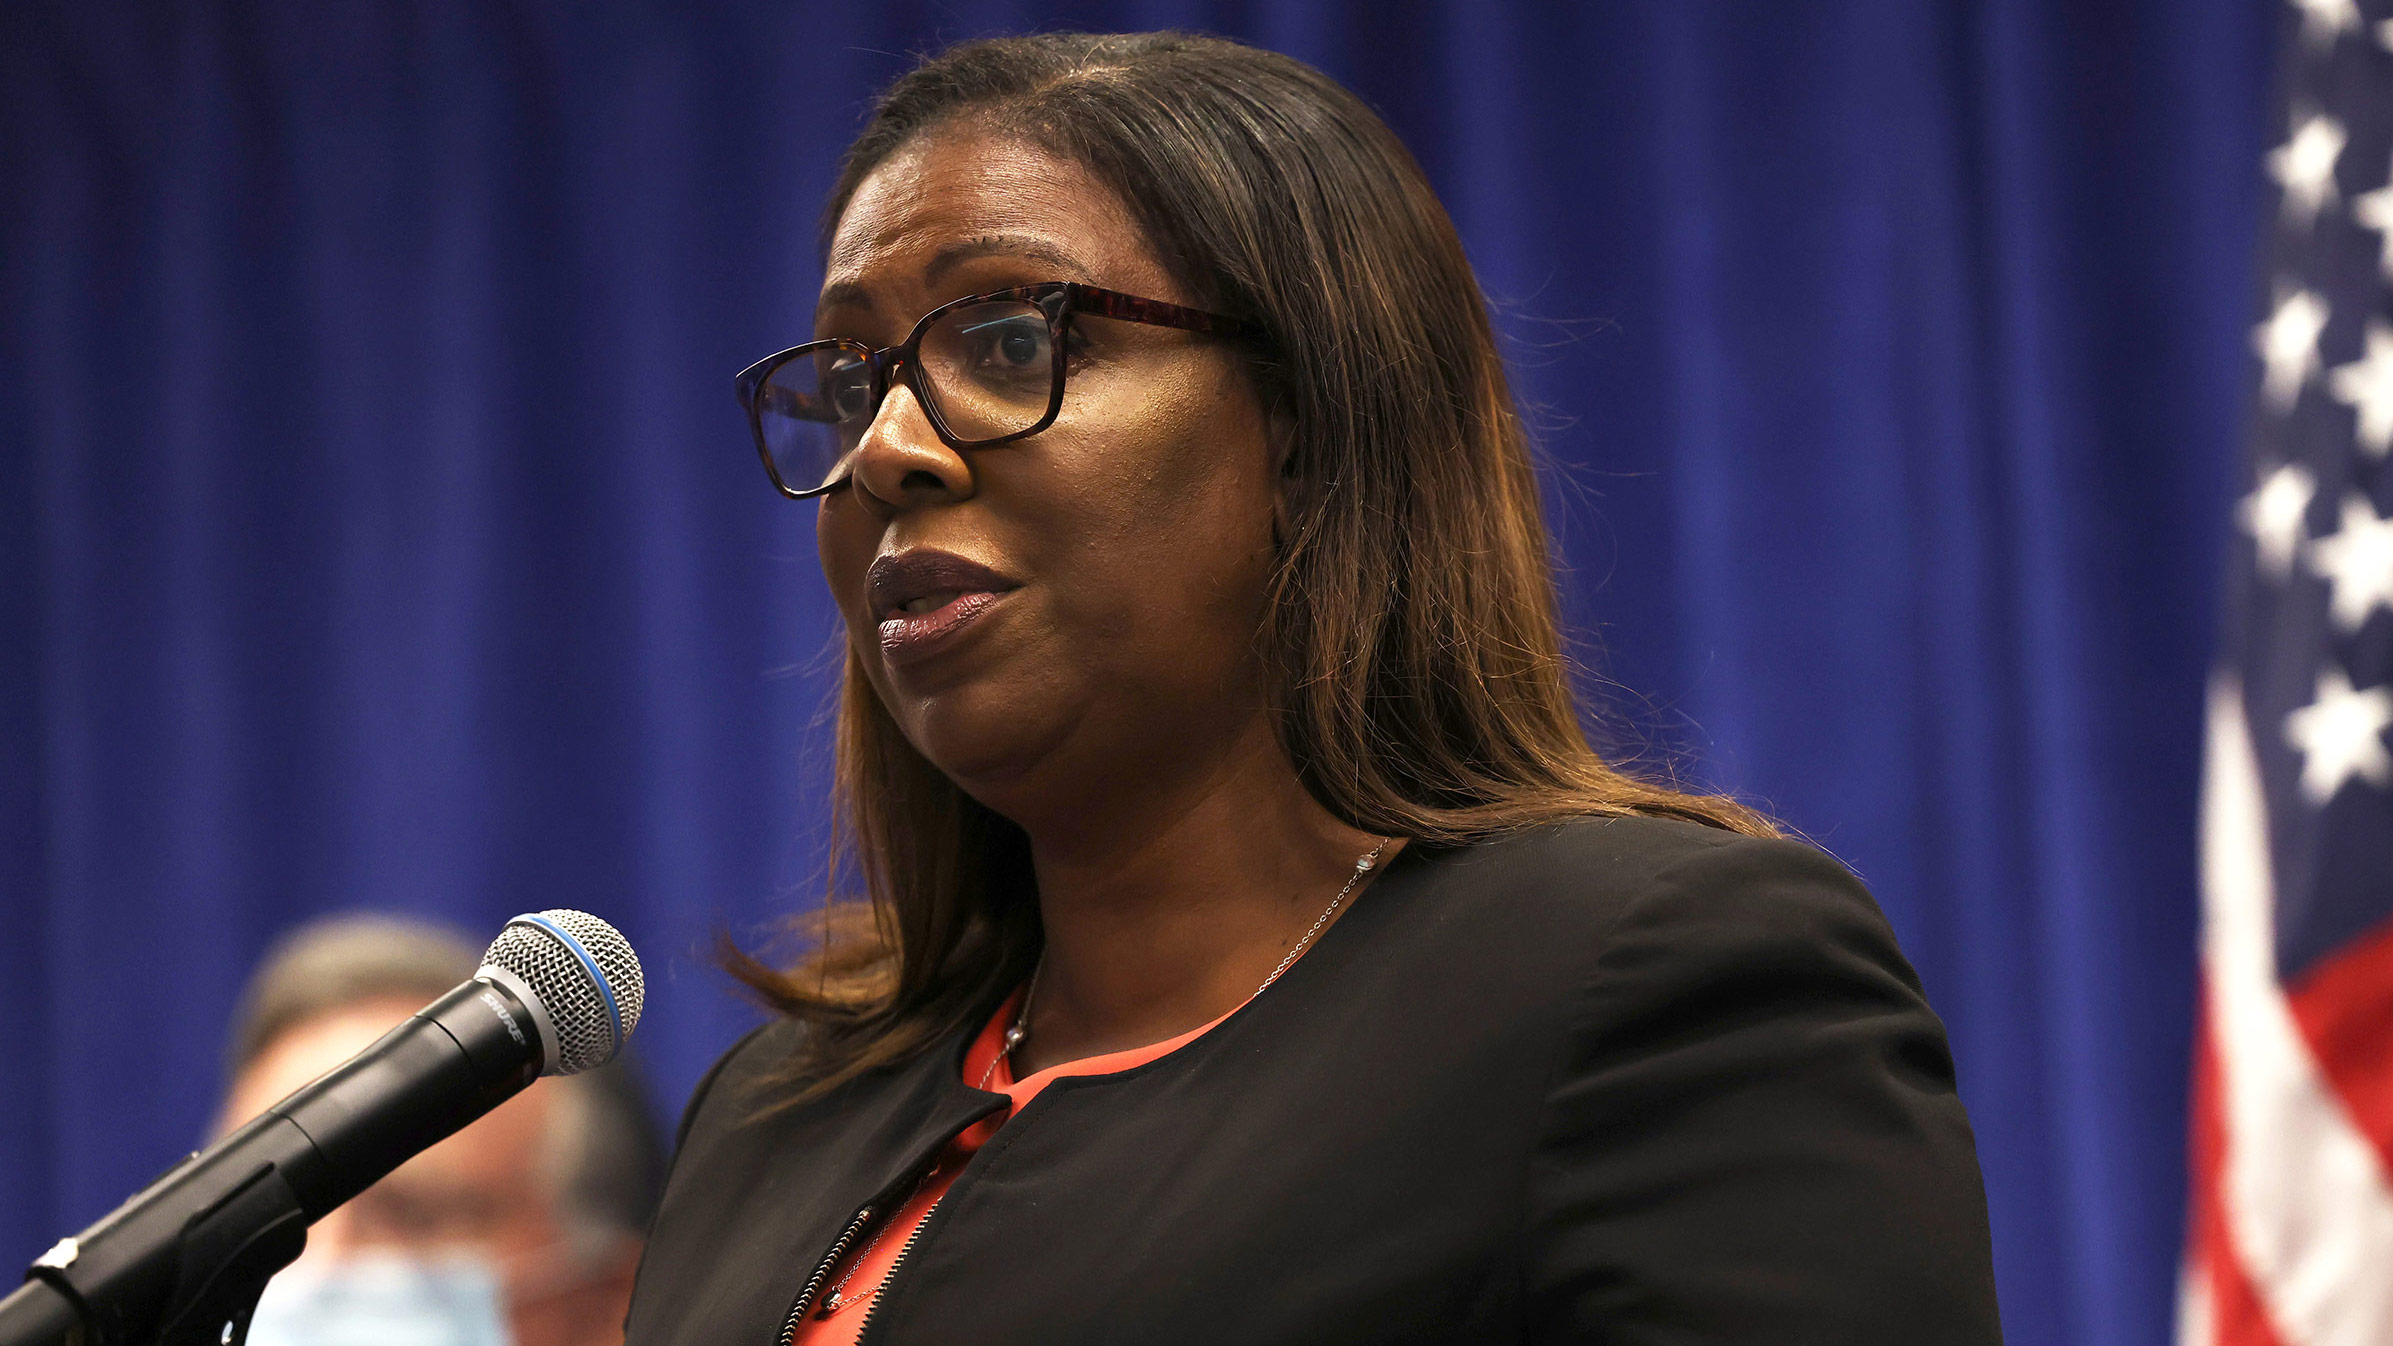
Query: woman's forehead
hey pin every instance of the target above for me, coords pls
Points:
(953, 199)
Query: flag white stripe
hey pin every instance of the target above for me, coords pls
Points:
(2304, 1195)
(2195, 1324)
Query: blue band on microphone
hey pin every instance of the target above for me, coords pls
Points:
(614, 1015)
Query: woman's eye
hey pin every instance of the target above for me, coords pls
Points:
(1018, 347)
(1010, 344)
(850, 392)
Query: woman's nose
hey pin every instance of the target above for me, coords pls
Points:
(901, 463)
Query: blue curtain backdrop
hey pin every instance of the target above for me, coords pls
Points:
(377, 528)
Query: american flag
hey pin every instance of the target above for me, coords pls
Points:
(2290, 1225)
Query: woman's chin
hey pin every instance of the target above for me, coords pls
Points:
(987, 744)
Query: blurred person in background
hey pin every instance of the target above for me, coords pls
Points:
(525, 1227)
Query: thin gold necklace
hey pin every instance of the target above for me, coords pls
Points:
(1021, 1025)
(836, 1298)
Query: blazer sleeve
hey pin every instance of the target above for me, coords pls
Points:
(1754, 1134)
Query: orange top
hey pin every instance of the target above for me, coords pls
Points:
(866, 1270)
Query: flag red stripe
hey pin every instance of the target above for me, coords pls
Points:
(2344, 1005)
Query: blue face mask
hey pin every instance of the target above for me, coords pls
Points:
(382, 1300)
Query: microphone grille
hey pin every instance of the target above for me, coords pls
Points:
(586, 976)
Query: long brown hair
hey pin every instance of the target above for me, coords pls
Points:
(1418, 678)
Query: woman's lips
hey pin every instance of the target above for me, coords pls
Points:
(908, 636)
(925, 600)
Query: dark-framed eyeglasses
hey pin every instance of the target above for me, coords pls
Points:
(987, 368)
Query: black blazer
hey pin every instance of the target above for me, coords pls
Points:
(1622, 1081)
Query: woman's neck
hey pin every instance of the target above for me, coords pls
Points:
(1166, 912)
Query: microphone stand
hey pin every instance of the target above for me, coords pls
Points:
(224, 1256)
(183, 1262)
(38, 1313)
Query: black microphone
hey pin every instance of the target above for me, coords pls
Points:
(183, 1261)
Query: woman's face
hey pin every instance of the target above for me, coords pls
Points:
(1065, 615)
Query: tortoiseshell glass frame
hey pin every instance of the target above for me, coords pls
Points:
(1060, 300)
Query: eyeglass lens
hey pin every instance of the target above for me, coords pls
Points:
(988, 370)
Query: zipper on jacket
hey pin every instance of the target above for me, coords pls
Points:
(822, 1272)
(892, 1200)
(864, 1325)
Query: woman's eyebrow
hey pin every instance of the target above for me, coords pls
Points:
(853, 294)
(956, 254)
(843, 294)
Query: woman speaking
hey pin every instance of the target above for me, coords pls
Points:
(1256, 951)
